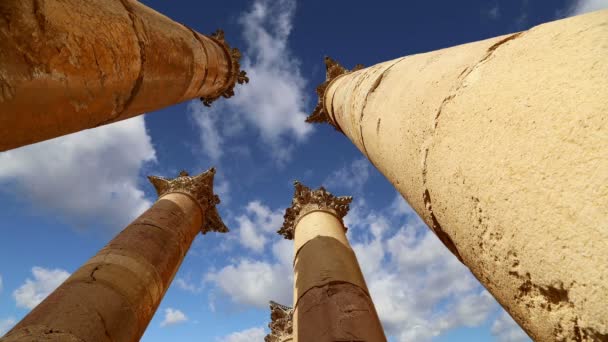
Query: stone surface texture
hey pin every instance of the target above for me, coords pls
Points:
(331, 299)
(69, 65)
(114, 295)
(501, 147)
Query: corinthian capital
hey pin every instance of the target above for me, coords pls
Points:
(306, 200)
(200, 189)
(333, 71)
(281, 325)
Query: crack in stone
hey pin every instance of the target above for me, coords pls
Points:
(443, 236)
(105, 328)
(196, 36)
(39, 15)
(92, 275)
(372, 89)
(335, 282)
(121, 108)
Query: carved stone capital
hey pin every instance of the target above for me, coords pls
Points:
(281, 323)
(200, 189)
(235, 76)
(306, 200)
(334, 70)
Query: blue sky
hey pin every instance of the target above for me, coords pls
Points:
(63, 199)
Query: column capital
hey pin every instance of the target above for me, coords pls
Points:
(281, 323)
(236, 75)
(333, 71)
(306, 200)
(200, 189)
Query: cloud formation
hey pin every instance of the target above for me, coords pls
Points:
(585, 6)
(255, 226)
(420, 290)
(87, 177)
(248, 335)
(45, 281)
(352, 176)
(275, 100)
(506, 330)
(173, 317)
(6, 324)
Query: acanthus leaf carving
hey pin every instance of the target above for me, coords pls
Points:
(281, 323)
(306, 200)
(200, 189)
(236, 75)
(333, 71)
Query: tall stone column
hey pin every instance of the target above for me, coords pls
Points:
(114, 295)
(69, 65)
(331, 299)
(501, 147)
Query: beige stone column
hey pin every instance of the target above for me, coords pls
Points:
(69, 65)
(114, 295)
(281, 323)
(501, 146)
(331, 299)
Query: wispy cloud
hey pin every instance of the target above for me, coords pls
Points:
(173, 317)
(274, 102)
(258, 225)
(248, 335)
(585, 6)
(506, 330)
(419, 288)
(86, 177)
(351, 177)
(34, 291)
(6, 324)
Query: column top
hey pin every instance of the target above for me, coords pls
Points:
(281, 323)
(333, 71)
(236, 75)
(306, 200)
(200, 189)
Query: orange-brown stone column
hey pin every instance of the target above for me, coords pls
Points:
(501, 146)
(69, 65)
(331, 299)
(114, 295)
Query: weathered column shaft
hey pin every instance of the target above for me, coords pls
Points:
(69, 65)
(501, 147)
(114, 295)
(331, 299)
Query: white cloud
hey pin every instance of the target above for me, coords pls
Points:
(187, 285)
(494, 12)
(352, 177)
(274, 102)
(32, 292)
(6, 324)
(255, 283)
(255, 226)
(89, 176)
(506, 330)
(419, 288)
(584, 6)
(399, 207)
(172, 317)
(248, 335)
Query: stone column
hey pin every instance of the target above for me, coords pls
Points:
(281, 323)
(114, 295)
(331, 299)
(69, 65)
(501, 147)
